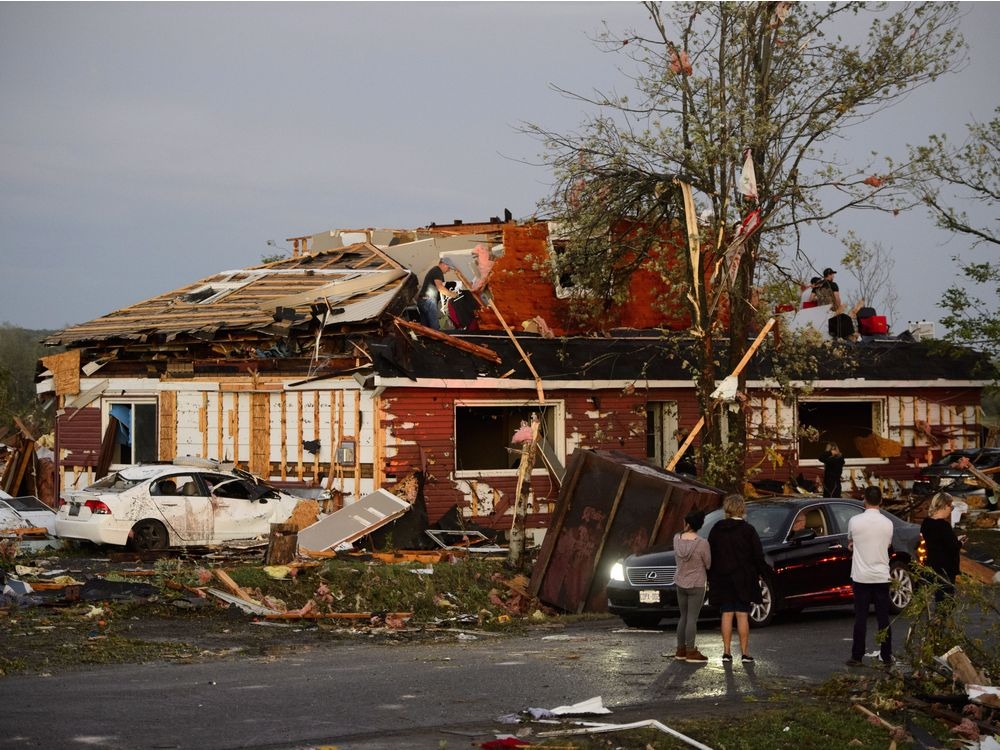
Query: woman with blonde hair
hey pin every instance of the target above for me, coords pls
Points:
(733, 578)
(943, 545)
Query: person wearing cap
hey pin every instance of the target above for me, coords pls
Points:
(431, 292)
(693, 561)
(827, 291)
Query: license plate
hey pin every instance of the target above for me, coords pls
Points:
(649, 596)
(74, 509)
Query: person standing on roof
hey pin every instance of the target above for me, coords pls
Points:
(827, 291)
(431, 291)
(809, 292)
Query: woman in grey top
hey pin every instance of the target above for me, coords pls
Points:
(693, 560)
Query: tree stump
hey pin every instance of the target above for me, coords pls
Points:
(282, 544)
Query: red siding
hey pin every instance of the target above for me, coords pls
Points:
(420, 424)
(902, 468)
(79, 432)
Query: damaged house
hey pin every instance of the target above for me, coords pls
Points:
(312, 372)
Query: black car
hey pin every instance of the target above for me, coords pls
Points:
(812, 566)
(943, 474)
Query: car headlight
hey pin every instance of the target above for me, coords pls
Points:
(617, 572)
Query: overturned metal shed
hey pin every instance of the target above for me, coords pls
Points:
(610, 505)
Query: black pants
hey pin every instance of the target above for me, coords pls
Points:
(866, 594)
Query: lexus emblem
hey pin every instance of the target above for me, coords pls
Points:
(651, 575)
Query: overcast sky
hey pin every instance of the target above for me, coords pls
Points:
(144, 146)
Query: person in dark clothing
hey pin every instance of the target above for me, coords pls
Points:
(431, 291)
(734, 577)
(944, 547)
(827, 291)
(833, 467)
(686, 463)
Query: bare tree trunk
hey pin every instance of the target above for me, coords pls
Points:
(529, 453)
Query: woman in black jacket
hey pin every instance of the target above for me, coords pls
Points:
(943, 546)
(733, 580)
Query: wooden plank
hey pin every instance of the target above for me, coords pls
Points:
(976, 570)
(168, 425)
(219, 434)
(284, 435)
(357, 444)
(260, 434)
(316, 435)
(299, 469)
(234, 587)
(203, 423)
(478, 351)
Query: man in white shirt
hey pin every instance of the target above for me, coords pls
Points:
(869, 535)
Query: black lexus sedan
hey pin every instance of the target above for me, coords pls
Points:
(812, 566)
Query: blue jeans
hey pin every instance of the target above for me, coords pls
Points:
(866, 594)
(429, 312)
(689, 601)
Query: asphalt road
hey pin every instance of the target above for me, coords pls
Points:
(363, 696)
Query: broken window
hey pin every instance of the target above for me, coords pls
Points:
(483, 434)
(135, 440)
(840, 421)
(661, 424)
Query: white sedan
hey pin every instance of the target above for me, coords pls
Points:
(155, 506)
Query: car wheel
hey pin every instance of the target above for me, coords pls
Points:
(762, 614)
(646, 622)
(900, 587)
(149, 535)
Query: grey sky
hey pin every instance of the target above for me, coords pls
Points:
(143, 146)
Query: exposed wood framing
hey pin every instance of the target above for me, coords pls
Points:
(379, 437)
(299, 469)
(260, 434)
(283, 399)
(234, 427)
(168, 425)
(316, 435)
(203, 423)
(357, 444)
(336, 427)
(218, 428)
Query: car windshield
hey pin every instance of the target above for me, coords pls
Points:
(768, 520)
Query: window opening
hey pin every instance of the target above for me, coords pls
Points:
(483, 434)
(135, 438)
(838, 421)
